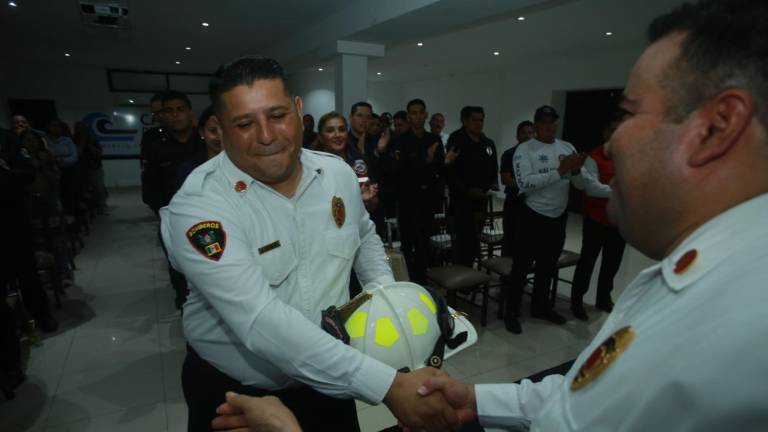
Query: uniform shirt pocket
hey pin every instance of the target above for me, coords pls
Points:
(277, 263)
(343, 244)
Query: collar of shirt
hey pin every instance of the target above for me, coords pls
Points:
(233, 174)
(714, 241)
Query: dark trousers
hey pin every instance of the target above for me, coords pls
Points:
(178, 280)
(537, 238)
(508, 222)
(596, 238)
(468, 219)
(416, 224)
(204, 388)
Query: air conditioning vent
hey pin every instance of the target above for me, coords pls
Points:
(112, 15)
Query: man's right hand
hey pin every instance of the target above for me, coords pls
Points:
(568, 163)
(430, 413)
(461, 396)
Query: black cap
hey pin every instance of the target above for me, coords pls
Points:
(545, 111)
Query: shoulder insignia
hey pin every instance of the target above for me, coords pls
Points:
(208, 238)
(602, 357)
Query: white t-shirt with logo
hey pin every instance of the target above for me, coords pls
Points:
(546, 192)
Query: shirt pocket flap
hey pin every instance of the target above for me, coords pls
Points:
(343, 244)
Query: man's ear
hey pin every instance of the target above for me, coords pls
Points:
(718, 125)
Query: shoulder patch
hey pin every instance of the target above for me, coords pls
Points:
(208, 238)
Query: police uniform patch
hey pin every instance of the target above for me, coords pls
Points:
(489, 150)
(360, 168)
(208, 238)
(602, 357)
(338, 211)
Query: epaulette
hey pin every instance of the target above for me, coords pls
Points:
(196, 179)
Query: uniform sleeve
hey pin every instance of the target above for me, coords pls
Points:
(506, 162)
(589, 183)
(525, 176)
(236, 286)
(513, 406)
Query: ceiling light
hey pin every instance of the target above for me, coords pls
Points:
(609, 33)
(420, 44)
(114, 113)
(205, 24)
(67, 55)
(521, 18)
(12, 4)
(378, 73)
(496, 53)
(319, 69)
(188, 48)
(178, 62)
(130, 100)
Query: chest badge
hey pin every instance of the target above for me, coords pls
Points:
(240, 186)
(338, 211)
(602, 357)
(489, 150)
(360, 168)
(208, 238)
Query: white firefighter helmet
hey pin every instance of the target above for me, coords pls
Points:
(403, 325)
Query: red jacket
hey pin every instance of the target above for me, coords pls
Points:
(594, 208)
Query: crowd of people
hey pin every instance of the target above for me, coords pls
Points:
(52, 184)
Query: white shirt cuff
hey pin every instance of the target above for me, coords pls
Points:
(373, 380)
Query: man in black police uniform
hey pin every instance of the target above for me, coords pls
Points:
(169, 153)
(511, 200)
(418, 159)
(471, 167)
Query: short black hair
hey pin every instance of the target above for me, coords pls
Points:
(204, 116)
(402, 115)
(157, 97)
(244, 71)
(357, 105)
(175, 95)
(467, 111)
(308, 115)
(435, 115)
(413, 102)
(725, 45)
(376, 116)
(522, 124)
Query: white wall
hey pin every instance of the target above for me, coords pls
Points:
(76, 90)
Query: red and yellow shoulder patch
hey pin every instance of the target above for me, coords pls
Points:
(208, 238)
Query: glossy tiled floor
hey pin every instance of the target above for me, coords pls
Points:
(115, 363)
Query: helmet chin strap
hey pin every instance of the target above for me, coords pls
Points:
(445, 321)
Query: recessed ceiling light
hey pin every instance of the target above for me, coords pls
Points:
(205, 24)
(114, 113)
(420, 44)
(12, 4)
(521, 18)
(178, 62)
(496, 53)
(67, 55)
(188, 48)
(319, 69)
(130, 101)
(378, 73)
(609, 33)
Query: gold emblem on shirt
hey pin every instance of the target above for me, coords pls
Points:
(602, 357)
(338, 211)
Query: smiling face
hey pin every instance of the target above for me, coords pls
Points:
(333, 135)
(261, 128)
(212, 136)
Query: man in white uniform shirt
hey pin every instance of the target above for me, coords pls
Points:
(545, 167)
(266, 234)
(684, 348)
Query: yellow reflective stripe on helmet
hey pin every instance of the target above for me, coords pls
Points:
(386, 333)
(419, 323)
(428, 301)
(356, 324)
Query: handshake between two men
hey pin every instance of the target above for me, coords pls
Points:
(425, 399)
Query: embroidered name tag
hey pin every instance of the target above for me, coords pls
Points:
(266, 248)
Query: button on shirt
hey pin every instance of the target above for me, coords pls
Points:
(536, 172)
(255, 313)
(698, 360)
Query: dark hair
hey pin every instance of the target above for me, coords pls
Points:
(522, 124)
(725, 45)
(413, 102)
(308, 115)
(435, 115)
(172, 95)
(376, 116)
(243, 71)
(467, 111)
(354, 108)
(402, 115)
(157, 97)
(204, 116)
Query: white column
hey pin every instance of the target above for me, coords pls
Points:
(352, 72)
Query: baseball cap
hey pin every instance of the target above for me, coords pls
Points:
(545, 111)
